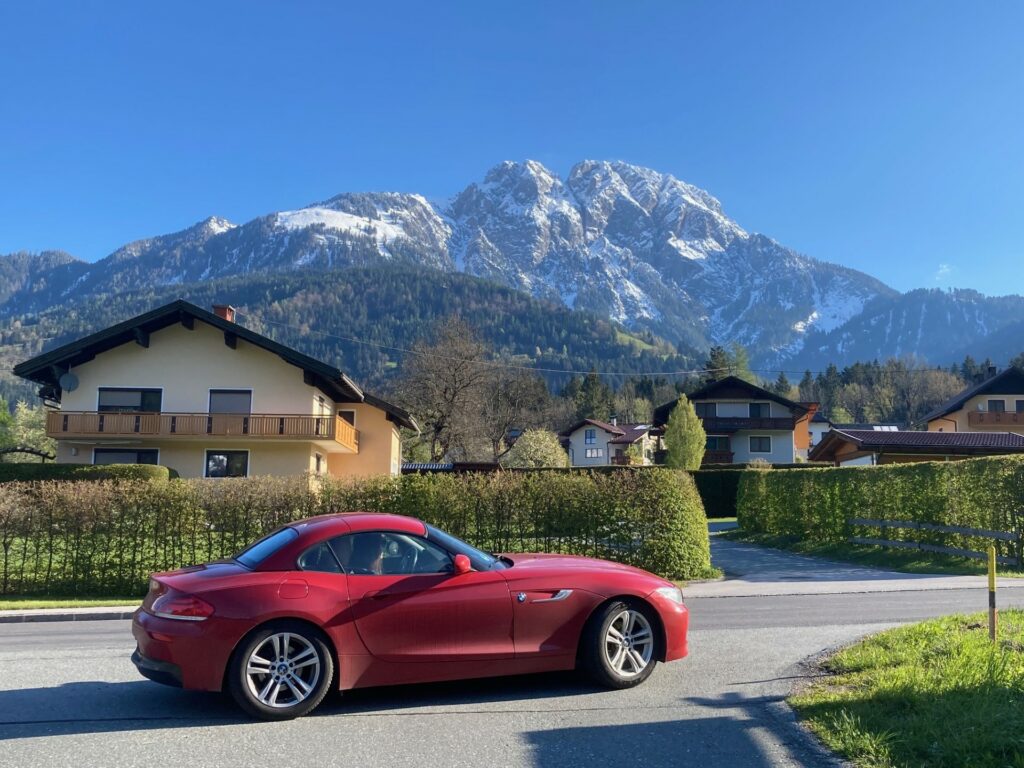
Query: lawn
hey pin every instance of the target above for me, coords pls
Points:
(936, 694)
(904, 560)
(33, 603)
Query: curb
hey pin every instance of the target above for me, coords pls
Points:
(113, 614)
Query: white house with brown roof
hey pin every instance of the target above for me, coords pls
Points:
(994, 405)
(594, 443)
(745, 422)
(197, 392)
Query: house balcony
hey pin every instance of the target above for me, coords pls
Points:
(725, 424)
(334, 433)
(717, 457)
(996, 419)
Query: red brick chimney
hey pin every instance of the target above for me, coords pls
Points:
(224, 312)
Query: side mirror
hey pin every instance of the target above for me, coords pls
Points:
(462, 565)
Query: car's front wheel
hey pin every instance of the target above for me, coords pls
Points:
(281, 671)
(619, 645)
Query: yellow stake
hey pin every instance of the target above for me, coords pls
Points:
(992, 613)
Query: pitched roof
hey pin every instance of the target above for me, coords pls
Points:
(611, 428)
(939, 443)
(47, 368)
(731, 387)
(1007, 382)
(633, 432)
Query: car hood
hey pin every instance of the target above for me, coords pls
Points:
(522, 562)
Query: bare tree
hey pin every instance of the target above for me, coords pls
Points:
(515, 399)
(444, 383)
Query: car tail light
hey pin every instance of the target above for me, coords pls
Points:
(176, 605)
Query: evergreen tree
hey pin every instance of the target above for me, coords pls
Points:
(718, 364)
(781, 386)
(594, 399)
(808, 389)
(684, 436)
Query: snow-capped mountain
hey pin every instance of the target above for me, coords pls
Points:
(641, 247)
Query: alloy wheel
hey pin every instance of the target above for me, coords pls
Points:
(629, 643)
(283, 670)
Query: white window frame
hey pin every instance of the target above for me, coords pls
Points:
(750, 444)
(206, 461)
(116, 448)
(209, 400)
(759, 403)
(705, 404)
(118, 386)
(355, 415)
(594, 453)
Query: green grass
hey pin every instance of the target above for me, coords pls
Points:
(721, 519)
(903, 560)
(33, 603)
(936, 694)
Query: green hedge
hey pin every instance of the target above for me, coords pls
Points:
(105, 537)
(818, 504)
(13, 473)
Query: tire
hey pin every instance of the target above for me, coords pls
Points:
(619, 647)
(299, 670)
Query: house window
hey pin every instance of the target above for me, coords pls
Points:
(590, 436)
(760, 444)
(1020, 406)
(227, 463)
(121, 456)
(348, 415)
(718, 443)
(319, 464)
(997, 406)
(594, 453)
(706, 410)
(121, 400)
(231, 401)
(759, 410)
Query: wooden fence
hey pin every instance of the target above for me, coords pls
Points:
(1013, 538)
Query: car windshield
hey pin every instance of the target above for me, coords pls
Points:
(481, 560)
(256, 553)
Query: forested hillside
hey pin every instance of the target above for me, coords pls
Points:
(320, 312)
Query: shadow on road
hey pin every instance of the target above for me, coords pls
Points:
(710, 742)
(101, 707)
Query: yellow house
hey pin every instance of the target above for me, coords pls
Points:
(193, 390)
(994, 405)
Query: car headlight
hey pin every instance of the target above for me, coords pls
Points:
(675, 594)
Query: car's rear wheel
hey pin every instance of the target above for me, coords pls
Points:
(281, 671)
(619, 645)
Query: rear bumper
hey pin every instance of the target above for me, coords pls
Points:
(188, 654)
(158, 671)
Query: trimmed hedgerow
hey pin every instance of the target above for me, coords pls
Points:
(13, 473)
(106, 537)
(817, 504)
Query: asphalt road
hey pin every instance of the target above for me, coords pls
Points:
(70, 696)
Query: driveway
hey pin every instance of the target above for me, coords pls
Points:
(69, 695)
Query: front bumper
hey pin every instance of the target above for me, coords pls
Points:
(675, 620)
(158, 671)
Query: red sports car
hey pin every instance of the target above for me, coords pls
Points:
(356, 600)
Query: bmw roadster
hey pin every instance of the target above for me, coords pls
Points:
(355, 600)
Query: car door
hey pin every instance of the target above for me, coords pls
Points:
(409, 606)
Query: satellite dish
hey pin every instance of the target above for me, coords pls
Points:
(68, 382)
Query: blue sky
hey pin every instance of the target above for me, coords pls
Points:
(888, 137)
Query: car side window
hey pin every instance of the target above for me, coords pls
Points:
(387, 553)
(319, 558)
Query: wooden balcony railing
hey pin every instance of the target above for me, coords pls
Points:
(67, 424)
(717, 457)
(735, 423)
(995, 419)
